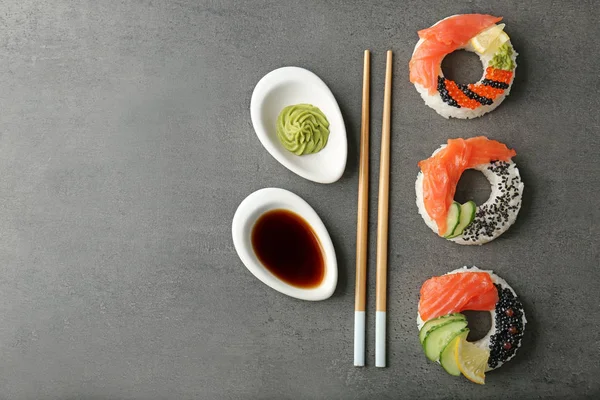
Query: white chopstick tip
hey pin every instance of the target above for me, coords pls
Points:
(359, 338)
(380, 322)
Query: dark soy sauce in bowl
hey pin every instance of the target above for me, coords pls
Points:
(289, 248)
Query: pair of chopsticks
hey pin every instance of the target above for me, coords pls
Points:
(382, 221)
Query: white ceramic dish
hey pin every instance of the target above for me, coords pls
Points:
(292, 85)
(255, 205)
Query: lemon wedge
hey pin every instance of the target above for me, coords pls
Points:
(500, 40)
(482, 42)
(471, 360)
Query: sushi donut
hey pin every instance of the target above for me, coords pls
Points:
(469, 224)
(478, 290)
(445, 96)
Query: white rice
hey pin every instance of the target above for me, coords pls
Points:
(445, 110)
(497, 186)
(484, 343)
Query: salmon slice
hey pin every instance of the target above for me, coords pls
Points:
(483, 301)
(424, 65)
(450, 293)
(442, 172)
(458, 28)
(442, 39)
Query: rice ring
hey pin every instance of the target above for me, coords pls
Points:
(499, 334)
(460, 107)
(493, 217)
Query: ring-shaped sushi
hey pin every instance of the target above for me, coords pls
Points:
(469, 223)
(476, 33)
(442, 299)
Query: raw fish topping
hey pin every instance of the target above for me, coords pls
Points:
(457, 292)
(473, 32)
(441, 39)
(442, 171)
(444, 329)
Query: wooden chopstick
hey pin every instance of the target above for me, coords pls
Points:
(382, 220)
(362, 220)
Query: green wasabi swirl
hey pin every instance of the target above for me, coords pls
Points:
(302, 129)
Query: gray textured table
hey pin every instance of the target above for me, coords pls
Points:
(126, 146)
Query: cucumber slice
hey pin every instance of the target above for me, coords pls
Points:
(432, 323)
(467, 215)
(452, 219)
(437, 338)
(447, 358)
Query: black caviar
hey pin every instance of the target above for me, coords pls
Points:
(472, 95)
(509, 330)
(495, 84)
(492, 217)
(441, 87)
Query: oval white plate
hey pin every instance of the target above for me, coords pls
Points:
(292, 85)
(255, 205)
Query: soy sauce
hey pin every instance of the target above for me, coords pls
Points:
(289, 248)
